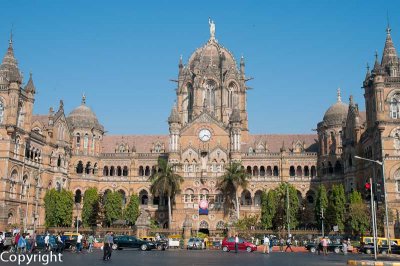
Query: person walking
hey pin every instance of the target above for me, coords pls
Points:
(344, 247)
(266, 244)
(106, 246)
(16, 239)
(46, 242)
(110, 243)
(236, 243)
(79, 243)
(2, 240)
(324, 243)
(289, 244)
(90, 242)
(281, 243)
(271, 244)
(33, 242)
(21, 244)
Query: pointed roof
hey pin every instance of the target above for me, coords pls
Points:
(174, 116)
(9, 66)
(389, 55)
(30, 87)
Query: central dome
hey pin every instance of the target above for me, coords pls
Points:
(83, 117)
(211, 55)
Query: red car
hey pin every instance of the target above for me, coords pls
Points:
(229, 244)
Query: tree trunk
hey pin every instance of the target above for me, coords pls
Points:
(237, 206)
(169, 213)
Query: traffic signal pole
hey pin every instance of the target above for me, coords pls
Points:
(373, 217)
(322, 220)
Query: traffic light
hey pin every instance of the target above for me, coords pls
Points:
(367, 187)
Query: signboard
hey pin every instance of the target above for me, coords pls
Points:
(336, 228)
(203, 207)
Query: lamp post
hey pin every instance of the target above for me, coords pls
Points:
(37, 193)
(382, 163)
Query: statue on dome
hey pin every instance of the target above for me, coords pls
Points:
(212, 28)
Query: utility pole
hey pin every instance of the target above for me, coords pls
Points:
(322, 220)
(287, 210)
(373, 217)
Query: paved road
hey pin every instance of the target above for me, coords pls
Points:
(198, 257)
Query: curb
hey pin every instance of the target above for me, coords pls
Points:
(373, 263)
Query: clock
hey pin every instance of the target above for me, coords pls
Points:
(204, 135)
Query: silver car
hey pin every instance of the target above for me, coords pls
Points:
(195, 243)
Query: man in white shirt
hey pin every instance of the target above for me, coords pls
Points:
(2, 240)
(266, 244)
(79, 243)
(46, 241)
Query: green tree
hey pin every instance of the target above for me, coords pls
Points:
(235, 176)
(321, 202)
(112, 207)
(165, 183)
(268, 208)
(132, 209)
(335, 213)
(282, 211)
(358, 218)
(90, 207)
(58, 207)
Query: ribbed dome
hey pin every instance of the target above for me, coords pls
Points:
(337, 112)
(212, 54)
(83, 117)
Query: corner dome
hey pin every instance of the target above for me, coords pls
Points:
(337, 112)
(83, 117)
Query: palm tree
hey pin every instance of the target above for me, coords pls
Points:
(235, 176)
(165, 182)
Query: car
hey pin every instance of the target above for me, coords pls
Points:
(125, 241)
(70, 240)
(174, 242)
(229, 244)
(195, 243)
(8, 240)
(335, 247)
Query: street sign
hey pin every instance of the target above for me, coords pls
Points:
(336, 228)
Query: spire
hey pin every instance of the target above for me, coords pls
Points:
(180, 62)
(174, 116)
(9, 67)
(389, 56)
(30, 87)
(377, 66)
(242, 65)
(83, 99)
(368, 74)
(339, 97)
(351, 100)
(283, 148)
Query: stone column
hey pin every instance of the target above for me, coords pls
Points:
(187, 229)
(142, 224)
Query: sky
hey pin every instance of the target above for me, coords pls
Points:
(123, 54)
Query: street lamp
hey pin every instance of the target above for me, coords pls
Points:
(382, 163)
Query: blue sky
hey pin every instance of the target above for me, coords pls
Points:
(122, 54)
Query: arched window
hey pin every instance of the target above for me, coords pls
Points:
(255, 171)
(203, 225)
(93, 143)
(232, 89)
(189, 196)
(306, 171)
(269, 171)
(330, 168)
(257, 198)
(123, 196)
(125, 171)
(395, 106)
(313, 171)
(85, 141)
(262, 171)
(79, 168)
(141, 171)
(276, 171)
(24, 187)
(299, 171)
(112, 171)
(292, 172)
(59, 161)
(144, 197)
(78, 196)
(147, 171)
(1, 112)
(78, 140)
(105, 171)
(245, 199)
(248, 170)
(204, 194)
(87, 168)
(220, 225)
(209, 99)
(94, 170)
(119, 171)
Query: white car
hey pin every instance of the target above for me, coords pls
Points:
(173, 242)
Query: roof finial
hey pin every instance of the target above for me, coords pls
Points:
(339, 98)
(367, 67)
(11, 36)
(83, 99)
(388, 22)
(376, 55)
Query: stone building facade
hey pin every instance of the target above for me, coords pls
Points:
(208, 129)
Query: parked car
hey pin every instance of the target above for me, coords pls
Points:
(125, 241)
(70, 240)
(335, 247)
(195, 243)
(174, 242)
(229, 244)
(8, 240)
